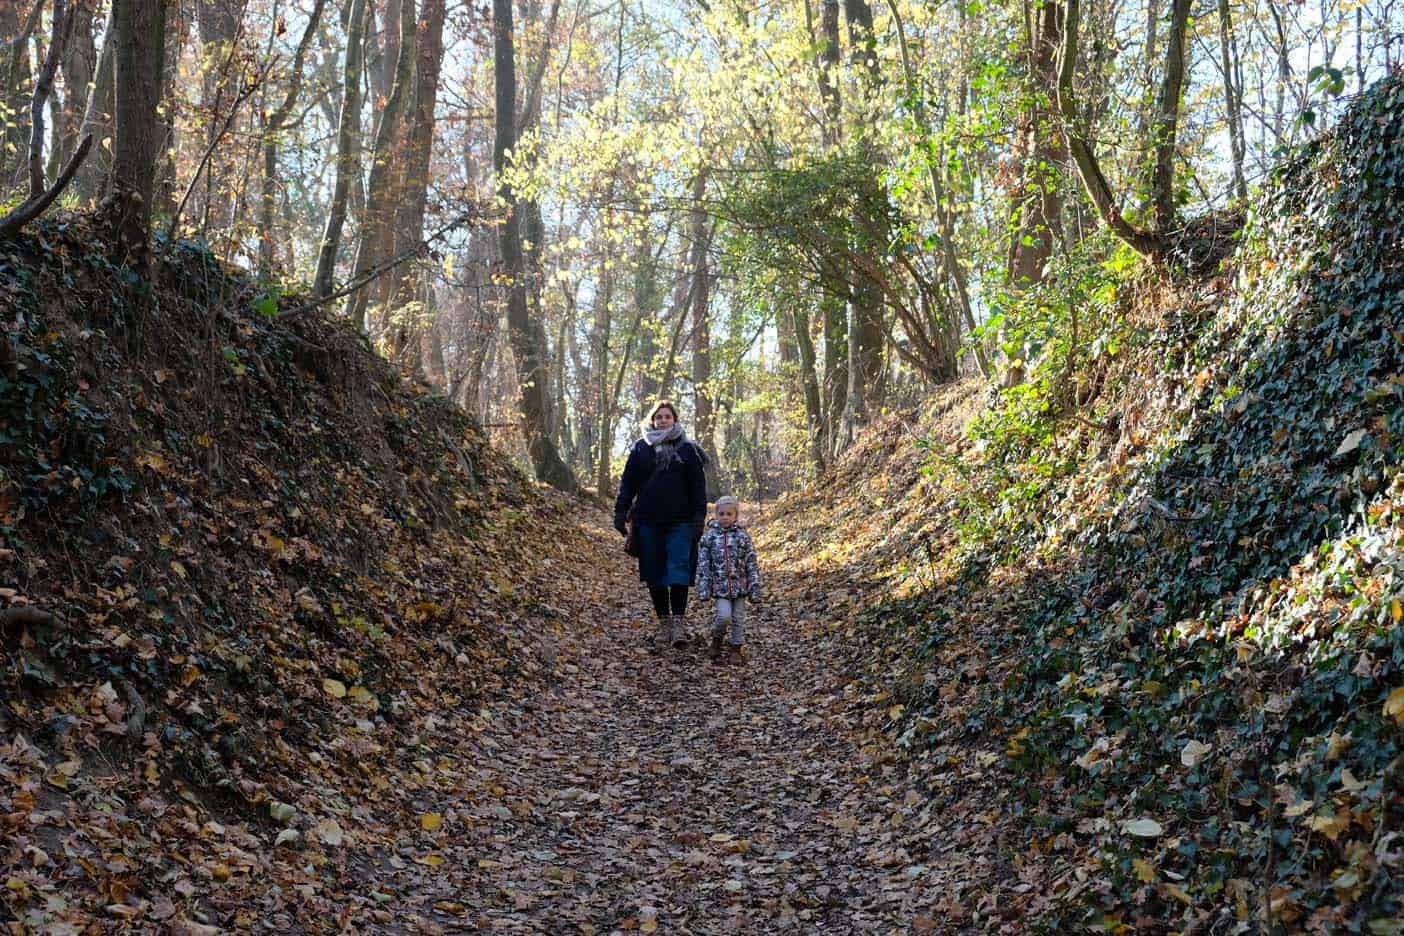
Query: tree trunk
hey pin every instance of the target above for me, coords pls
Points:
(97, 121)
(1084, 157)
(164, 192)
(377, 221)
(275, 124)
(704, 426)
(1167, 117)
(348, 149)
(79, 63)
(529, 352)
(809, 384)
(140, 34)
(15, 84)
(217, 24)
(866, 310)
(409, 226)
(1233, 96)
(1038, 206)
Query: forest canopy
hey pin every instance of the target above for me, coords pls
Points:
(792, 215)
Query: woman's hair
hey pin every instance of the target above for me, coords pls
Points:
(653, 411)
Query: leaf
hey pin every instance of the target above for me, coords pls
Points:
(1350, 443)
(328, 832)
(1194, 752)
(1394, 704)
(287, 837)
(430, 821)
(334, 688)
(281, 812)
(1143, 869)
(360, 695)
(1142, 828)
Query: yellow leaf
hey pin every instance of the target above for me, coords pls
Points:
(334, 687)
(430, 821)
(430, 861)
(1330, 826)
(360, 695)
(1177, 892)
(1396, 610)
(1143, 869)
(1394, 705)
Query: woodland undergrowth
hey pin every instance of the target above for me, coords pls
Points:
(1138, 617)
(248, 570)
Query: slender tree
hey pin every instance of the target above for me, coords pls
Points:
(526, 344)
(348, 153)
(378, 219)
(274, 123)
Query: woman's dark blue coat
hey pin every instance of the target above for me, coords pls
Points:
(677, 494)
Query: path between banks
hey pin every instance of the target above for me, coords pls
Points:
(638, 793)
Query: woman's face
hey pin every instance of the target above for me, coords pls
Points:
(663, 419)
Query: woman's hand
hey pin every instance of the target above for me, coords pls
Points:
(619, 525)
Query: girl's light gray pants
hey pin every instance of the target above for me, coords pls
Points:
(730, 612)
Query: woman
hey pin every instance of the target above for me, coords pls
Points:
(665, 491)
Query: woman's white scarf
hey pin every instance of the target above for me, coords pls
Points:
(665, 444)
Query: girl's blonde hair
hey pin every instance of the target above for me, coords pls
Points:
(660, 405)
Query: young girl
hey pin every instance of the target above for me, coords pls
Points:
(727, 571)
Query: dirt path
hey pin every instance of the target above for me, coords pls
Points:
(667, 794)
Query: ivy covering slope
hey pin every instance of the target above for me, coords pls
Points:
(253, 585)
(1164, 634)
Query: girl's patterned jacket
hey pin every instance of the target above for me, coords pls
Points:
(726, 563)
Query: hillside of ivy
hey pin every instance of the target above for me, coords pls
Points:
(1146, 602)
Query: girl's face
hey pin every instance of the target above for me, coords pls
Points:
(664, 419)
(727, 515)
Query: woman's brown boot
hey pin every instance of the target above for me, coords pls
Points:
(679, 630)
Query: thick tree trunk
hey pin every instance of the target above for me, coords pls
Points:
(140, 38)
(528, 350)
(378, 219)
(348, 149)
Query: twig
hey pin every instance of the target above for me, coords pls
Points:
(244, 94)
(31, 208)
